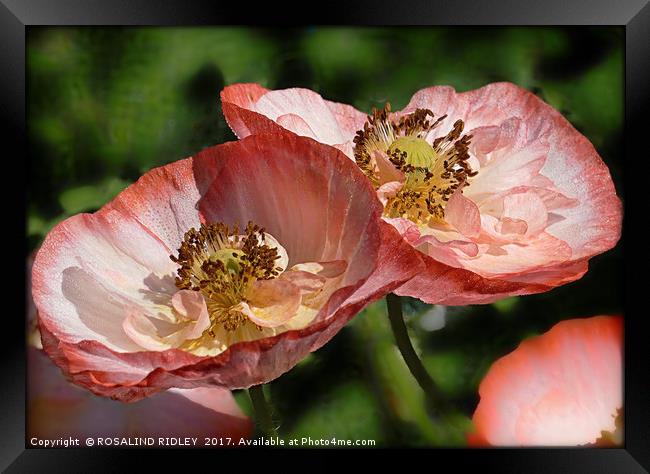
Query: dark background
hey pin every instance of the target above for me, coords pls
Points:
(107, 104)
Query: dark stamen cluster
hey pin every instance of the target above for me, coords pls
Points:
(455, 168)
(259, 256)
(377, 133)
(221, 264)
(195, 248)
(417, 122)
(398, 158)
(380, 131)
(427, 188)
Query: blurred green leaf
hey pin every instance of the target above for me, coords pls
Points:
(91, 197)
(594, 101)
(348, 412)
(506, 305)
(39, 227)
(450, 371)
(36, 225)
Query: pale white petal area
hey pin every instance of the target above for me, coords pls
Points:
(309, 107)
(272, 302)
(449, 246)
(329, 269)
(193, 311)
(388, 190)
(317, 281)
(512, 260)
(143, 332)
(296, 124)
(103, 265)
(526, 207)
(251, 109)
(463, 214)
(305, 281)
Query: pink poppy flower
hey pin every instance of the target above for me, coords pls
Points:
(224, 269)
(563, 388)
(497, 190)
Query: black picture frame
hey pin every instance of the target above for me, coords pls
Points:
(634, 15)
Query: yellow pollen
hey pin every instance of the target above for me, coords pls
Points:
(222, 264)
(230, 258)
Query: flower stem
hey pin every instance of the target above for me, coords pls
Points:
(262, 411)
(419, 372)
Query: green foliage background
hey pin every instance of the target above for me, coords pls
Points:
(107, 104)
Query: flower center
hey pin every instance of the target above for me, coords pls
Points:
(222, 264)
(429, 171)
(417, 152)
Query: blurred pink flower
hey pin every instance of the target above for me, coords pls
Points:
(495, 188)
(224, 269)
(57, 408)
(33, 336)
(563, 388)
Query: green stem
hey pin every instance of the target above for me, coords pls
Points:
(262, 411)
(419, 372)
